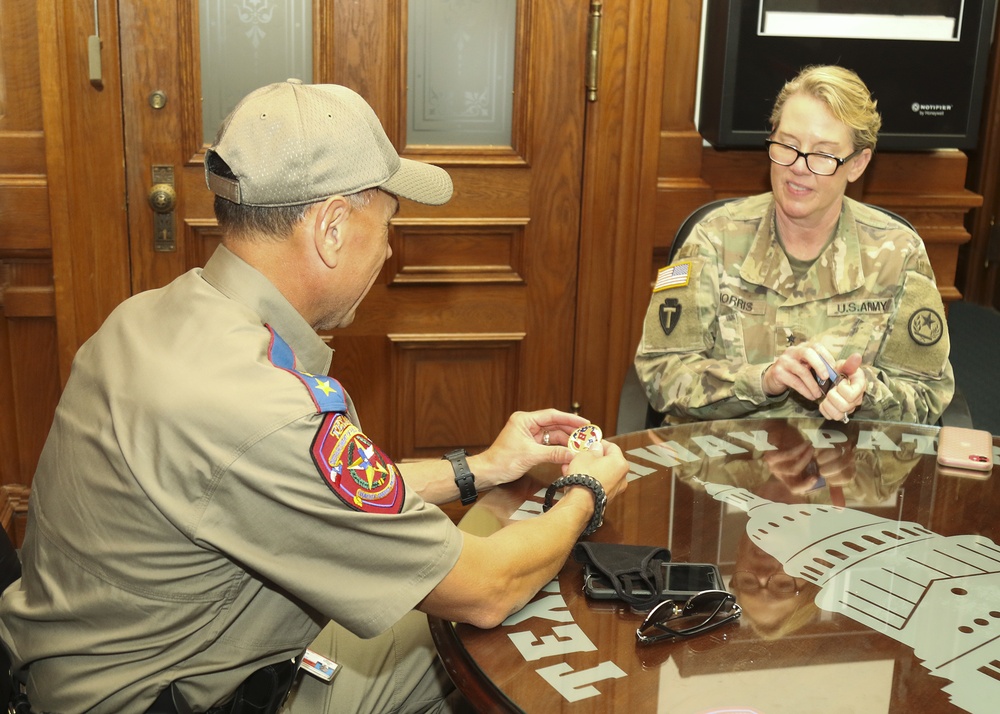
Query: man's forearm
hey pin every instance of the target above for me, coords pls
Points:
(433, 479)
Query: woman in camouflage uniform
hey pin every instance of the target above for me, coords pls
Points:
(768, 288)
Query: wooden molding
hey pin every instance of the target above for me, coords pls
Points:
(14, 511)
(429, 252)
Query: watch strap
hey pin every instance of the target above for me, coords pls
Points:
(464, 478)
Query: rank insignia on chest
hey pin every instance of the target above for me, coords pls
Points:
(355, 469)
(670, 313)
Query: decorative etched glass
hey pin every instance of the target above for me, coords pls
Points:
(246, 44)
(460, 72)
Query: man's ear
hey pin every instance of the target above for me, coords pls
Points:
(327, 224)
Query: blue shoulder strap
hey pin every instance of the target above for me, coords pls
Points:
(326, 392)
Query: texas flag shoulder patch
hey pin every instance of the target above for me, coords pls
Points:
(355, 469)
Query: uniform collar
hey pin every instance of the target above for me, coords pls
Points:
(238, 280)
(837, 270)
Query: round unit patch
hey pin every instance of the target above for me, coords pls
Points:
(926, 327)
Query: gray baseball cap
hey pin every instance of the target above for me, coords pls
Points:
(291, 143)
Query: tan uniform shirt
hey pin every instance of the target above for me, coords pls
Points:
(732, 303)
(181, 527)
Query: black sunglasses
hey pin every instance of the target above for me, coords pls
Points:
(702, 612)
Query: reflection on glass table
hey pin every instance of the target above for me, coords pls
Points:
(867, 580)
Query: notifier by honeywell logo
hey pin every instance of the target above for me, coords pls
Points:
(930, 110)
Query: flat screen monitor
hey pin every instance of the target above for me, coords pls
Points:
(924, 61)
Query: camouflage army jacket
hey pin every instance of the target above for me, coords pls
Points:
(730, 303)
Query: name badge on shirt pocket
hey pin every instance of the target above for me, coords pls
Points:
(747, 304)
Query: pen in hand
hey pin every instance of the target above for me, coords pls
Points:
(830, 381)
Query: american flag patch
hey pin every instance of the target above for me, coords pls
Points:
(673, 276)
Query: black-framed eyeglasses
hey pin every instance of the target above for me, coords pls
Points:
(702, 612)
(819, 163)
(780, 584)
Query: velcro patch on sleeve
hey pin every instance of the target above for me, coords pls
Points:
(672, 323)
(918, 342)
(355, 469)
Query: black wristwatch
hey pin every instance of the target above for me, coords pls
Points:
(464, 478)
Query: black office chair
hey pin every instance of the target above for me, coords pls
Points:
(636, 413)
(10, 570)
(10, 563)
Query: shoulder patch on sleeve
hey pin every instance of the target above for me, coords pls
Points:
(926, 326)
(672, 322)
(918, 342)
(675, 275)
(361, 475)
(325, 391)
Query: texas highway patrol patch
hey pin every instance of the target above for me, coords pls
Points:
(355, 469)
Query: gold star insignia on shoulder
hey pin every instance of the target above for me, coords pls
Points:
(325, 387)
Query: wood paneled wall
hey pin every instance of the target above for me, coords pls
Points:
(29, 367)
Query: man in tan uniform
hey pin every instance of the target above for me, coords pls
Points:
(206, 501)
(768, 288)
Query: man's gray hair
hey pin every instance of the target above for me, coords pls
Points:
(242, 222)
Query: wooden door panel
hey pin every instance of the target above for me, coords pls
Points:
(459, 329)
(160, 54)
(430, 392)
(29, 368)
(456, 390)
(475, 251)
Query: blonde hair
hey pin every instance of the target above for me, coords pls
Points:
(844, 94)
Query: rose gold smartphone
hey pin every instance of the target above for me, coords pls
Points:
(960, 448)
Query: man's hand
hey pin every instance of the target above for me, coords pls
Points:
(605, 462)
(527, 439)
(498, 574)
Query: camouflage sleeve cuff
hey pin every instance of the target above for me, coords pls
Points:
(749, 385)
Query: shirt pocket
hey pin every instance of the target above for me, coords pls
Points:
(746, 338)
(861, 332)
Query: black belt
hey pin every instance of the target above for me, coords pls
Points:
(263, 692)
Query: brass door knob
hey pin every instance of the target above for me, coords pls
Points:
(162, 198)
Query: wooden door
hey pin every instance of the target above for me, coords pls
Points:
(473, 316)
